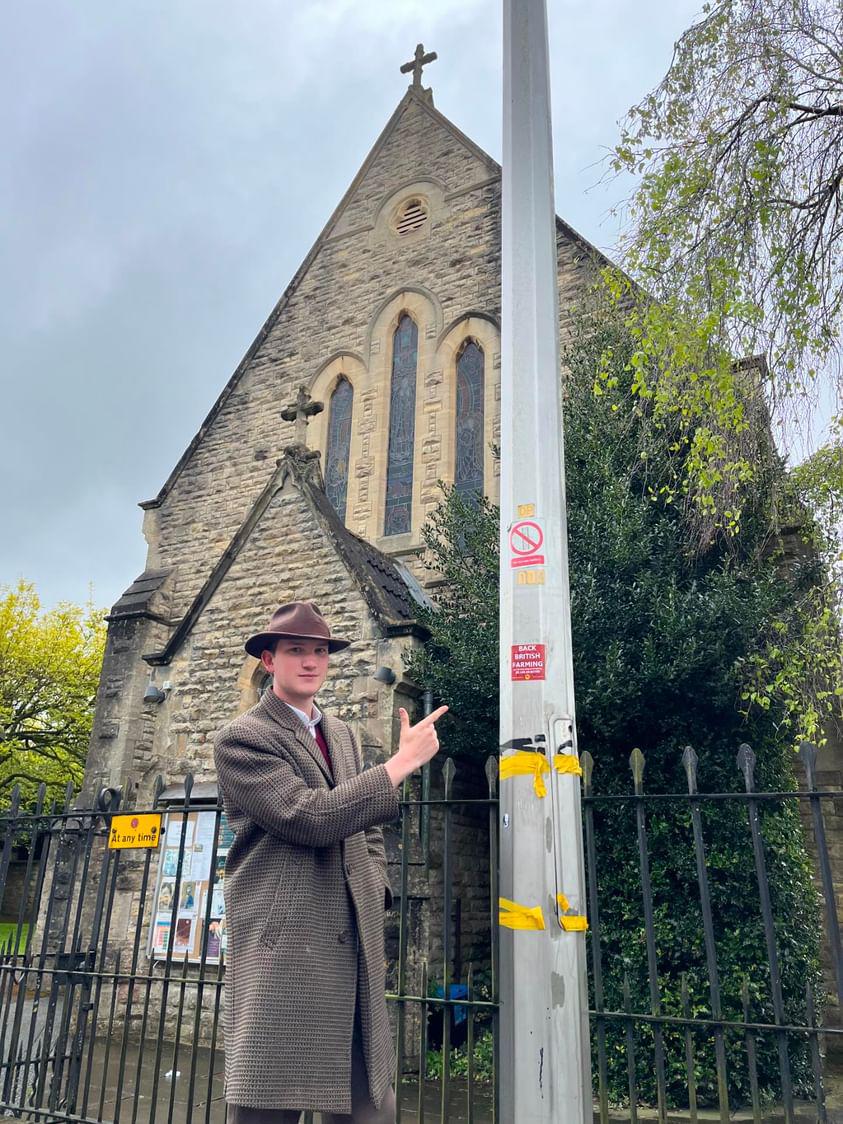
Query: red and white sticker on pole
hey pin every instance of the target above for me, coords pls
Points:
(526, 539)
(528, 662)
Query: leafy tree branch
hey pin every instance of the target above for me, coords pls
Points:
(49, 669)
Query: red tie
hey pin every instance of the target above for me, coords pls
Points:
(323, 745)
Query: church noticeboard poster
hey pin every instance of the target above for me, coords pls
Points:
(180, 908)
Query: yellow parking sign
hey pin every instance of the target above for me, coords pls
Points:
(135, 831)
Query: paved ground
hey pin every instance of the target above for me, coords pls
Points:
(208, 1105)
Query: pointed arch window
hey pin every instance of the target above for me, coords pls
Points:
(468, 467)
(402, 428)
(339, 446)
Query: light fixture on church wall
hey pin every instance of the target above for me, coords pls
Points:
(154, 693)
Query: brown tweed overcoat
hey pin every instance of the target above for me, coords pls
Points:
(305, 887)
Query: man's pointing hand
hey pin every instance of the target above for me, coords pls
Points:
(416, 745)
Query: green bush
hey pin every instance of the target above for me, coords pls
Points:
(484, 1060)
(667, 613)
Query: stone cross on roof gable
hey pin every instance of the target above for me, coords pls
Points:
(420, 59)
(299, 411)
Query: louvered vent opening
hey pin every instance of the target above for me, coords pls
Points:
(413, 217)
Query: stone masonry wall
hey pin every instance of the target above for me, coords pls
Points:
(287, 557)
(340, 319)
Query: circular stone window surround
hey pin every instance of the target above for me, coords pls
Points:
(428, 193)
(412, 216)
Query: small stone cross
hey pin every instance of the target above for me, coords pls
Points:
(420, 59)
(303, 408)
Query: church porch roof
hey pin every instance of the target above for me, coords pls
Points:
(390, 592)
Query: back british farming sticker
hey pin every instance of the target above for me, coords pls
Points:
(527, 661)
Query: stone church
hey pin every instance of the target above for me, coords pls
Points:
(376, 376)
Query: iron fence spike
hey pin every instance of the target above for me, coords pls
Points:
(157, 789)
(587, 766)
(746, 764)
(808, 753)
(491, 770)
(448, 771)
(690, 762)
(637, 762)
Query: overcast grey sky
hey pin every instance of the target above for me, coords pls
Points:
(166, 166)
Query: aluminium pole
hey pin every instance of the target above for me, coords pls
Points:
(544, 1053)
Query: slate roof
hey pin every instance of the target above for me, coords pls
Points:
(136, 600)
(392, 593)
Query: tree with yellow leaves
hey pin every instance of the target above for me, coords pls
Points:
(50, 663)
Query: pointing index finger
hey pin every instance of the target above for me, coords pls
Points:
(434, 717)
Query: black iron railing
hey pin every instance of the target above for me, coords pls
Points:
(112, 961)
(709, 1037)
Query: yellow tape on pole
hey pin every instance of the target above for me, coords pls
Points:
(515, 916)
(567, 763)
(522, 764)
(570, 922)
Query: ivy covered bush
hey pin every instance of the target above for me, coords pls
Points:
(667, 615)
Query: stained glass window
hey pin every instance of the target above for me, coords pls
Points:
(402, 428)
(339, 444)
(468, 468)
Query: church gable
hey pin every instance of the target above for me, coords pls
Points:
(289, 553)
(417, 236)
(337, 320)
(419, 148)
(391, 325)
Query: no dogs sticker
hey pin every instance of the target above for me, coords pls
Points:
(525, 541)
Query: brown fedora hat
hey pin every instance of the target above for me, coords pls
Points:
(297, 620)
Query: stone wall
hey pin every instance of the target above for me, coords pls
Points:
(472, 912)
(338, 317)
(19, 890)
(828, 778)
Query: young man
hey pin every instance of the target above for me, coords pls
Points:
(306, 1025)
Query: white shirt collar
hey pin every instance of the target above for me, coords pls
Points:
(311, 722)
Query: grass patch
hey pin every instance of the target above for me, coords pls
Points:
(8, 931)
